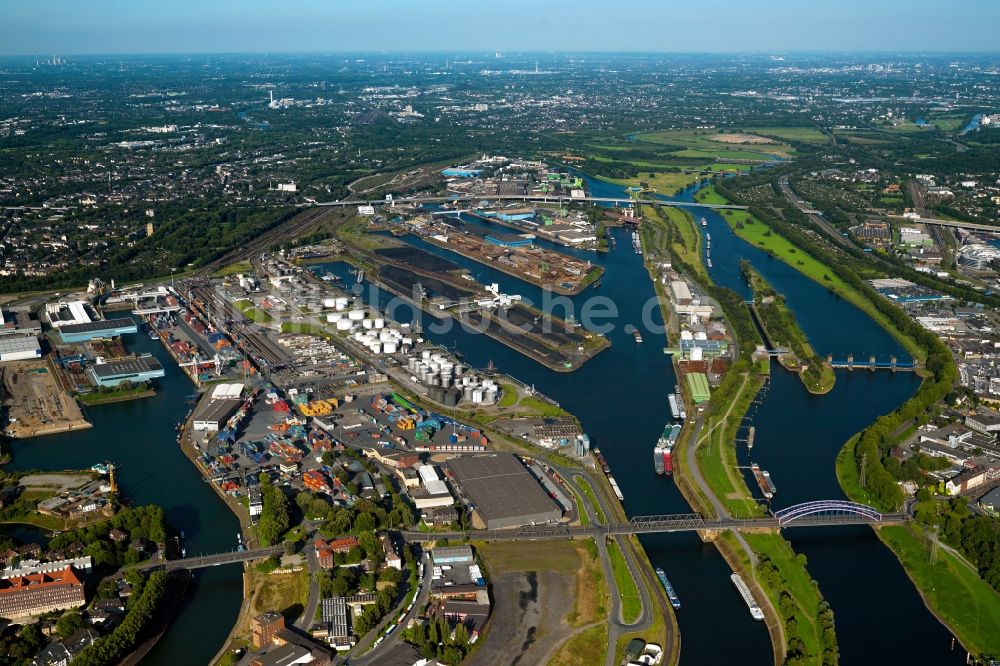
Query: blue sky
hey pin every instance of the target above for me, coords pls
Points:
(170, 26)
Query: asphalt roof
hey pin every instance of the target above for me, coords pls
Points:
(500, 486)
(127, 366)
(102, 325)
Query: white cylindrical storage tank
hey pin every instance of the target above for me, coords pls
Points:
(376, 347)
(340, 303)
(329, 302)
(477, 395)
(491, 396)
(356, 315)
(368, 324)
(379, 322)
(459, 369)
(385, 336)
(408, 341)
(343, 325)
(467, 392)
(425, 355)
(389, 348)
(330, 319)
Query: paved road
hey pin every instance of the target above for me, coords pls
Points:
(394, 641)
(305, 621)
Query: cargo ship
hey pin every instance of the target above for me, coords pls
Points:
(663, 451)
(763, 480)
(755, 611)
(607, 472)
(675, 601)
(615, 488)
(675, 409)
(637, 335)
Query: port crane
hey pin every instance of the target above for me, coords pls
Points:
(216, 361)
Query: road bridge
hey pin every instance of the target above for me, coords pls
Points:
(534, 198)
(214, 560)
(822, 513)
(956, 224)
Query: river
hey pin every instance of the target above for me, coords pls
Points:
(620, 398)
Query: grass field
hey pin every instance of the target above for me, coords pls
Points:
(657, 631)
(664, 182)
(580, 650)
(794, 134)
(509, 395)
(252, 313)
(700, 143)
(627, 590)
(795, 579)
(686, 239)
(953, 591)
(233, 269)
(588, 492)
(716, 455)
(286, 593)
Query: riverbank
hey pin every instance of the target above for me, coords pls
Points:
(92, 399)
(936, 572)
(178, 583)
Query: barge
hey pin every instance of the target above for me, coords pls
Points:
(675, 601)
(741, 587)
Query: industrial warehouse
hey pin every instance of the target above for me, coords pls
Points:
(501, 491)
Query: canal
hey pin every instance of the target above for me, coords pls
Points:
(141, 438)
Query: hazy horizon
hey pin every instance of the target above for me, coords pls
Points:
(186, 27)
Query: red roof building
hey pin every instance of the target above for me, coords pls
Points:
(34, 594)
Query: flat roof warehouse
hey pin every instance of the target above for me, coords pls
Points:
(502, 491)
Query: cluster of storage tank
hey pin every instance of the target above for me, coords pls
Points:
(437, 371)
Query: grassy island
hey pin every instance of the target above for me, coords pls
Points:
(783, 329)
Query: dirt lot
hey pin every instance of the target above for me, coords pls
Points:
(543, 593)
(36, 404)
(58, 482)
(741, 138)
(529, 618)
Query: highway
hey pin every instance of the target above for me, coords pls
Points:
(534, 198)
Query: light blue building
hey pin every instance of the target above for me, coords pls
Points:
(92, 330)
(136, 370)
(455, 172)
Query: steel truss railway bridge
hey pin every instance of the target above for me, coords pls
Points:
(823, 513)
